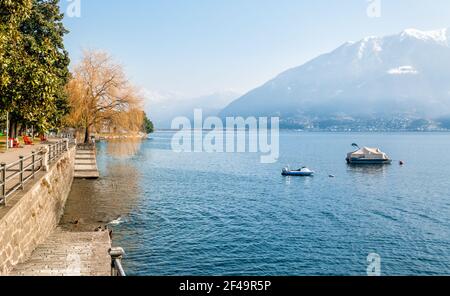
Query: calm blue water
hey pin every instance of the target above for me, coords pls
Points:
(228, 214)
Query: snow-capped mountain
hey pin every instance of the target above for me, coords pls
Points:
(407, 74)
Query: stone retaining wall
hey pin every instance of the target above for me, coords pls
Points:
(34, 213)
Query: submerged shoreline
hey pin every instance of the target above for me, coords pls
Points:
(94, 204)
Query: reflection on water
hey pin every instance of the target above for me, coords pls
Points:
(108, 200)
(368, 169)
(123, 148)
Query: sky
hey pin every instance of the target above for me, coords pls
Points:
(199, 47)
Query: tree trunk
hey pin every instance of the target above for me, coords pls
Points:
(87, 135)
(22, 130)
(12, 128)
(15, 130)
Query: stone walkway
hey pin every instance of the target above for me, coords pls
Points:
(69, 254)
(86, 165)
(12, 155)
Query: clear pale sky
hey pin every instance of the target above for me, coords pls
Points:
(197, 47)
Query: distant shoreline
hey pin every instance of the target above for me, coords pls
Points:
(104, 137)
(320, 131)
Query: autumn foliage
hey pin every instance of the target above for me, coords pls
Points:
(102, 98)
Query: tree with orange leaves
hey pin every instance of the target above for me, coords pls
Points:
(99, 93)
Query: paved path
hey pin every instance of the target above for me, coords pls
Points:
(13, 154)
(69, 254)
(11, 158)
(86, 165)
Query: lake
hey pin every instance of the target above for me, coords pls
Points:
(228, 214)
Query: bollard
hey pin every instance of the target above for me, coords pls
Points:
(116, 258)
(45, 158)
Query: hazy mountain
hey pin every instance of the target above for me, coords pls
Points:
(403, 77)
(164, 107)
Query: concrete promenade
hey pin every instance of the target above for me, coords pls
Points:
(13, 155)
(69, 254)
(31, 243)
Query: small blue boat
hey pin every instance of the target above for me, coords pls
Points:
(303, 172)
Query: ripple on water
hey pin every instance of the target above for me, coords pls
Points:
(227, 214)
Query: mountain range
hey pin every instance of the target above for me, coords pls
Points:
(165, 106)
(394, 82)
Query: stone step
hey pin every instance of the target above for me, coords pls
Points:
(86, 162)
(84, 157)
(87, 175)
(86, 165)
(69, 254)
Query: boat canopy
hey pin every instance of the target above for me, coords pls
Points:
(368, 153)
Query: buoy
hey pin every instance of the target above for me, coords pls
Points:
(401, 162)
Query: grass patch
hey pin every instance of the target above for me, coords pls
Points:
(2, 144)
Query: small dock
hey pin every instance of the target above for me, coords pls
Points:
(86, 163)
(69, 254)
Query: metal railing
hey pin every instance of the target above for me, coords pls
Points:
(56, 150)
(72, 141)
(15, 175)
(116, 261)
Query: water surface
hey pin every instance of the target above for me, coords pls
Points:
(228, 214)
